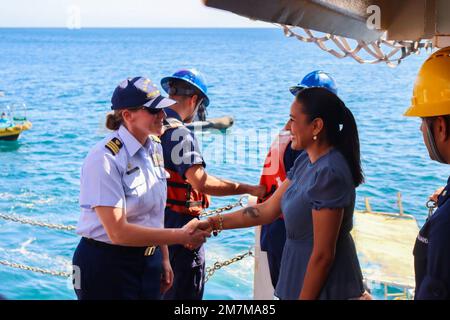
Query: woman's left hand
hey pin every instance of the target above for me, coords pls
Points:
(166, 276)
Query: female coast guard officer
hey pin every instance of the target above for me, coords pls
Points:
(123, 251)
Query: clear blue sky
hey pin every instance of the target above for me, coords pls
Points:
(118, 13)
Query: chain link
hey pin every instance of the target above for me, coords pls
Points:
(218, 265)
(226, 208)
(72, 228)
(210, 270)
(35, 269)
(37, 223)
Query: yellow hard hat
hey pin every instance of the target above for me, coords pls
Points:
(431, 96)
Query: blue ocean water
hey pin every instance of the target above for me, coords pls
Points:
(66, 78)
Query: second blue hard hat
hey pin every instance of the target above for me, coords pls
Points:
(191, 76)
(316, 78)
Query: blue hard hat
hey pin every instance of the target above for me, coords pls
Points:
(316, 78)
(137, 92)
(191, 76)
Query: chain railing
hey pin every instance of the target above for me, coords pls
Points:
(225, 208)
(210, 270)
(35, 269)
(36, 223)
(220, 264)
(62, 227)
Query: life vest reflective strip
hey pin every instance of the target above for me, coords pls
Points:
(274, 172)
(181, 196)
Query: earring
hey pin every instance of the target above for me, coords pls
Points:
(314, 138)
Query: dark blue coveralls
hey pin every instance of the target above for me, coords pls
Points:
(188, 266)
(432, 253)
(273, 235)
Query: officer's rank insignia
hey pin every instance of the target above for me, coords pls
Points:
(158, 160)
(114, 146)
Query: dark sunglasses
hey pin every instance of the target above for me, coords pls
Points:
(173, 91)
(153, 111)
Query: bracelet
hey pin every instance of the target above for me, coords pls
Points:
(220, 222)
(220, 228)
(212, 225)
(216, 229)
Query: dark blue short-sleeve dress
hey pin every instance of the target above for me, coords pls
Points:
(327, 183)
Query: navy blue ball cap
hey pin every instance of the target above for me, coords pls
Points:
(138, 92)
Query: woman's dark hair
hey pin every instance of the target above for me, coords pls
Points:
(340, 126)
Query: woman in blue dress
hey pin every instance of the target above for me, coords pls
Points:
(317, 199)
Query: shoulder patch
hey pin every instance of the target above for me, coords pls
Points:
(155, 139)
(114, 145)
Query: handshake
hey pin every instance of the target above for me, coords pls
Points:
(195, 233)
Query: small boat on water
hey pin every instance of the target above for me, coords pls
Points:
(10, 129)
(12, 126)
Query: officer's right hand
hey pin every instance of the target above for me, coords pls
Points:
(435, 195)
(193, 236)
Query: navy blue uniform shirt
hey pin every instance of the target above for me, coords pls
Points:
(432, 253)
(180, 147)
(181, 151)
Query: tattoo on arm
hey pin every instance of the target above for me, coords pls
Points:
(251, 211)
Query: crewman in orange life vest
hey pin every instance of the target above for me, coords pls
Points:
(189, 185)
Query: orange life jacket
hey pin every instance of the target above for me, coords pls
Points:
(181, 196)
(274, 172)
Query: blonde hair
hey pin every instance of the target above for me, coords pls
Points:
(114, 120)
